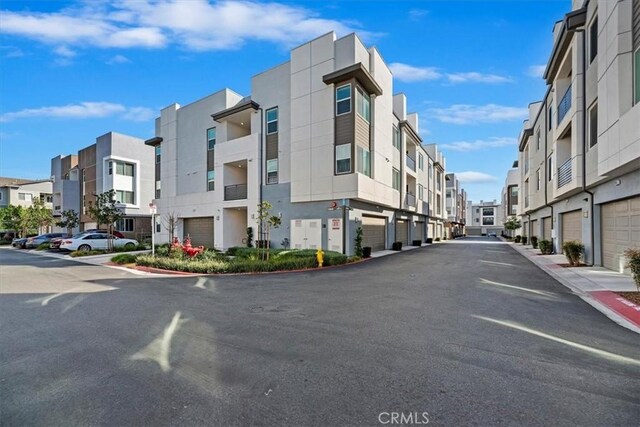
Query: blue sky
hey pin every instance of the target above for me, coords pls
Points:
(74, 70)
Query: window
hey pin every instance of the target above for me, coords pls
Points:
(430, 198)
(343, 100)
(123, 168)
(25, 196)
(272, 171)
(477, 219)
(158, 188)
(438, 179)
(438, 204)
(636, 75)
(538, 180)
(549, 168)
(47, 198)
(420, 191)
(124, 197)
(272, 120)
(593, 40)
(421, 161)
(211, 138)
(550, 117)
(158, 153)
(110, 168)
(124, 224)
(363, 164)
(487, 212)
(211, 180)
(593, 125)
(396, 138)
(363, 105)
(395, 179)
(343, 158)
(487, 220)
(538, 140)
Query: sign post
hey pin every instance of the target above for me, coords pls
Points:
(153, 210)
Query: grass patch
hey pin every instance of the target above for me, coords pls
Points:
(124, 259)
(76, 254)
(42, 247)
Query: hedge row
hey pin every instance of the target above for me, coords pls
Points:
(226, 266)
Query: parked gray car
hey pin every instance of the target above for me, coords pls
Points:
(34, 242)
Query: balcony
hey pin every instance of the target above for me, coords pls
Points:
(410, 200)
(565, 105)
(564, 173)
(411, 163)
(235, 192)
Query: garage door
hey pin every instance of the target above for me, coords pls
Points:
(402, 231)
(572, 226)
(374, 231)
(474, 231)
(534, 228)
(620, 230)
(546, 228)
(200, 230)
(419, 231)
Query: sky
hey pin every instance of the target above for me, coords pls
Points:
(71, 71)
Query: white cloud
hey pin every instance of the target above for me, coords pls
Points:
(536, 71)
(65, 52)
(475, 177)
(409, 73)
(118, 59)
(417, 14)
(11, 52)
(196, 24)
(479, 144)
(83, 110)
(474, 77)
(463, 114)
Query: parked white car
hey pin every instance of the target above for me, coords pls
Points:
(91, 241)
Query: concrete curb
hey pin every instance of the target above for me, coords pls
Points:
(585, 296)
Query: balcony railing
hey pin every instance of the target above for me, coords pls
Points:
(564, 173)
(565, 105)
(411, 163)
(410, 200)
(235, 192)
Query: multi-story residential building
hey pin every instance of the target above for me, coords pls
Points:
(437, 191)
(510, 202)
(22, 192)
(64, 174)
(484, 218)
(455, 205)
(321, 137)
(580, 148)
(115, 162)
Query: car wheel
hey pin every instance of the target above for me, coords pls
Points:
(84, 248)
(130, 246)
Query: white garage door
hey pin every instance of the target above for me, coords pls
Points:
(620, 230)
(572, 226)
(200, 230)
(374, 232)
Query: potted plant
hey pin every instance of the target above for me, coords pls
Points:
(524, 240)
(396, 246)
(416, 243)
(366, 252)
(429, 240)
(546, 248)
(633, 264)
(518, 238)
(534, 242)
(573, 250)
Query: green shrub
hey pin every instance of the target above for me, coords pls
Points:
(546, 248)
(437, 239)
(518, 238)
(358, 242)
(76, 254)
(353, 258)
(139, 247)
(124, 259)
(633, 264)
(524, 240)
(43, 247)
(534, 242)
(574, 251)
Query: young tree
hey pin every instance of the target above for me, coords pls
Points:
(39, 217)
(358, 242)
(512, 224)
(170, 223)
(106, 211)
(266, 222)
(14, 218)
(69, 220)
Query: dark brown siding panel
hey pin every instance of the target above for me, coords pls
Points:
(272, 146)
(344, 129)
(211, 159)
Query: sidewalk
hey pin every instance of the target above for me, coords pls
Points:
(595, 285)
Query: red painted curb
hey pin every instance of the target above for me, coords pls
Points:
(619, 304)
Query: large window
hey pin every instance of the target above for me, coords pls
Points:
(363, 105)
(420, 161)
(364, 161)
(487, 220)
(420, 191)
(211, 180)
(124, 224)
(272, 120)
(124, 197)
(343, 158)
(25, 196)
(395, 179)
(272, 171)
(396, 137)
(343, 100)
(487, 212)
(123, 168)
(593, 40)
(593, 125)
(211, 138)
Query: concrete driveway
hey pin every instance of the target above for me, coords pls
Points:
(467, 331)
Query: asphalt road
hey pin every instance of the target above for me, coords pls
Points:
(469, 332)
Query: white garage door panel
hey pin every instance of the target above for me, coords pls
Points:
(620, 230)
(374, 232)
(200, 230)
(572, 226)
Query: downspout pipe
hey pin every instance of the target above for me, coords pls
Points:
(261, 112)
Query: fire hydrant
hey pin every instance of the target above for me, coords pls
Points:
(320, 257)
